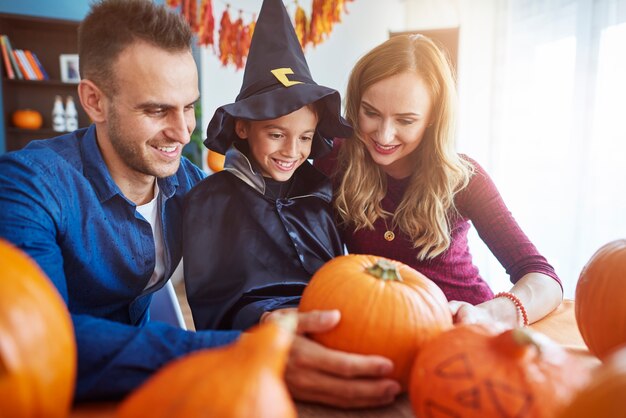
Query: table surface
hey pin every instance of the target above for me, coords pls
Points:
(560, 325)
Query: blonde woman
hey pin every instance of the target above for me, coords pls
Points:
(402, 191)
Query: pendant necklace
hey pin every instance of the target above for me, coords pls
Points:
(388, 235)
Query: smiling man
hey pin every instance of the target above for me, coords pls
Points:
(99, 209)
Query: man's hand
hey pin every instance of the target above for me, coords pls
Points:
(318, 374)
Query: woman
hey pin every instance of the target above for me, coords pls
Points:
(401, 190)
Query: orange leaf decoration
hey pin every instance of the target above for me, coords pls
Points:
(224, 33)
(245, 38)
(301, 26)
(207, 24)
(235, 36)
(315, 35)
(236, 43)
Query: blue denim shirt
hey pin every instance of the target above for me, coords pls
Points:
(60, 205)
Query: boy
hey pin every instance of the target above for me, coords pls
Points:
(256, 232)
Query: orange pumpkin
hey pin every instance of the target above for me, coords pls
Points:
(476, 371)
(600, 309)
(37, 346)
(27, 119)
(241, 380)
(387, 308)
(604, 397)
(215, 161)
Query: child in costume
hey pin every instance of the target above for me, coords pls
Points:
(255, 232)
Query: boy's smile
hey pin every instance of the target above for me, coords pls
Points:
(279, 146)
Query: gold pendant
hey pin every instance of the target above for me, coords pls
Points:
(389, 235)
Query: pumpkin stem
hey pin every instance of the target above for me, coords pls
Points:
(517, 340)
(385, 270)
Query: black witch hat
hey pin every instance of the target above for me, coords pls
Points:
(277, 81)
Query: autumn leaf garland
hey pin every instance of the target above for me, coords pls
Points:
(235, 35)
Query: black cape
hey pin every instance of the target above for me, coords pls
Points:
(245, 253)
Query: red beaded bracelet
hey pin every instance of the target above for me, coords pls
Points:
(518, 304)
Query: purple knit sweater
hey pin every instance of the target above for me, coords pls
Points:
(453, 270)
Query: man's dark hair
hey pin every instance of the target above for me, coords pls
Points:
(113, 25)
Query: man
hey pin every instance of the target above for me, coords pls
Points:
(99, 210)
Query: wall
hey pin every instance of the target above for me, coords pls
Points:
(57, 9)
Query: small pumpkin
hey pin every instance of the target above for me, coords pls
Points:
(599, 308)
(37, 345)
(215, 161)
(241, 380)
(605, 395)
(27, 119)
(477, 371)
(387, 308)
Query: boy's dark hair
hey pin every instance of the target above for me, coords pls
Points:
(113, 25)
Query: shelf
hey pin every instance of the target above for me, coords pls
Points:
(48, 39)
(34, 132)
(51, 83)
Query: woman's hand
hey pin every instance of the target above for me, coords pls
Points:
(538, 294)
(466, 313)
(318, 374)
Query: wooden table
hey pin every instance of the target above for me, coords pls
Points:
(560, 325)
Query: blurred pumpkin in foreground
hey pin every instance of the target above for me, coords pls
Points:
(387, 308)
(37, 345)
(600, 309)
(27, 119)
(606, 394)
(478, 371)
(241, 380)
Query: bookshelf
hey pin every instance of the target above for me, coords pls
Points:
(48, 39)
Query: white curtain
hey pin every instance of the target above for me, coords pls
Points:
(554, 123)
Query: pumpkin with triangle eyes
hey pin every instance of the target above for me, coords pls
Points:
(477, 371)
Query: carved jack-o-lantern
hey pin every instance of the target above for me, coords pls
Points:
(475, 371)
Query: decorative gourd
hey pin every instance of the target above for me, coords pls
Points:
(387, 308)
(215, 161)
(27, 119)
(600, 309)
(605, 396)
(37, 345)
(241, 380)
(476, 371)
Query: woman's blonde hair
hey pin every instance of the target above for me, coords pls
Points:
(439, 171)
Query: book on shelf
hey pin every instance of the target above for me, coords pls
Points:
(8, 67)
(33, 64)
(41, 68)
(21, 63)
(10, 53)
(28, 72)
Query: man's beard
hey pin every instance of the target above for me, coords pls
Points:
(133, 153)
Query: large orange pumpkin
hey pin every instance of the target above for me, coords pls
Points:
(215, 161)
(387, 308)
(600, 309)
(606, 395)
(477, 371)
(37, 345)
(27, 119)
(241, 380)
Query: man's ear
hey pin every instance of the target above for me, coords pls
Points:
(93, 100)
(241, 128)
